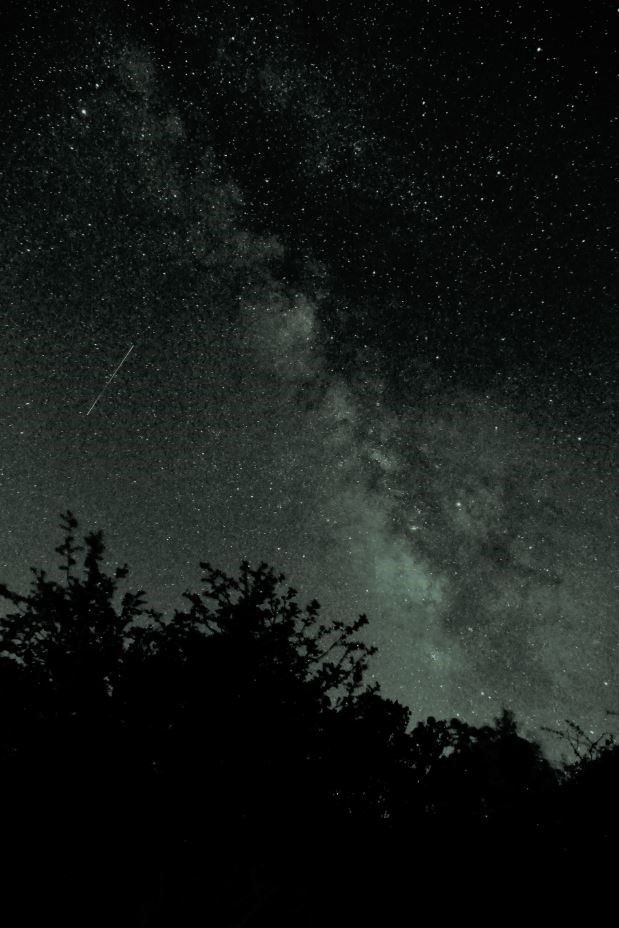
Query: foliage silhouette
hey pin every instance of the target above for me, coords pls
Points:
(217, 717)
(158, 772)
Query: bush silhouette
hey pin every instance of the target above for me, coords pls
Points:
(122, 731)
(230, 766)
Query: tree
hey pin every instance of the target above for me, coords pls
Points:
(132, 737)
(62, 659)
(155, 771)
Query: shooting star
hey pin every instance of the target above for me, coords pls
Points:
(110, 380)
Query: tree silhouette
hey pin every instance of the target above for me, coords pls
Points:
(62, 657)
(216, 721)
(229, 765)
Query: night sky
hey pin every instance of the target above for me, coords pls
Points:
(366, 256)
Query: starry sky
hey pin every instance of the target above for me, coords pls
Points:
(365, 255)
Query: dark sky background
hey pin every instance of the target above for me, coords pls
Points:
(366, 255)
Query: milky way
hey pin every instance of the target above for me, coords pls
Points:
(345, 364)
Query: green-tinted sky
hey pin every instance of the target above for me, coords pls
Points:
(366, 259)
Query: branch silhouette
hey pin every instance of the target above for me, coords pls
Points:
(166, 770)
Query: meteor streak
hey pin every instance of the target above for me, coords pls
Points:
(110, 380)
